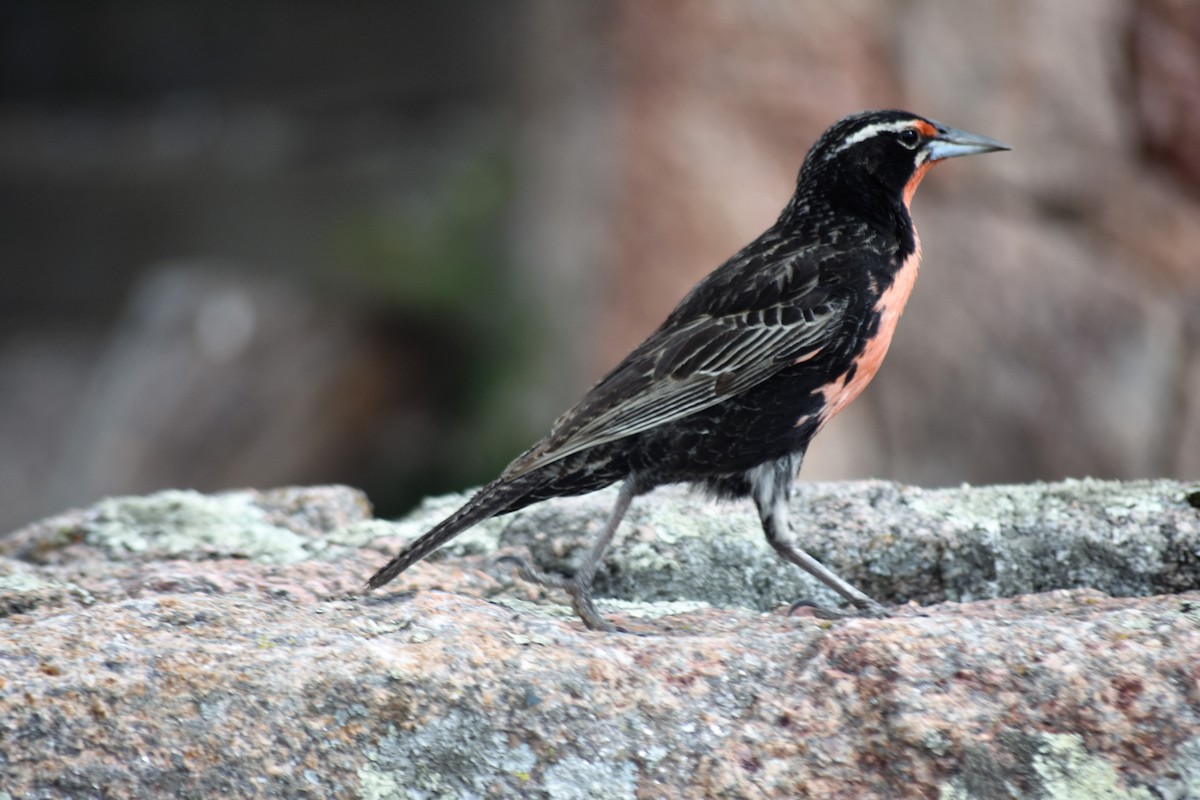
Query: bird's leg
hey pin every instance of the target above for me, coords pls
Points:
(772, 489)
(579, 587)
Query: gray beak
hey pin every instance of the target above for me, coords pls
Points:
(951, 143)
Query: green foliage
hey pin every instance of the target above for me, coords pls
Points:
(440, 264)
(442, 254)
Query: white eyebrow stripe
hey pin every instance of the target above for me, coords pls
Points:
(872, 130)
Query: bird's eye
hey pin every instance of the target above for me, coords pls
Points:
(909, 138)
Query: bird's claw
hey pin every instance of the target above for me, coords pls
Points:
(530, 573)
(579, 592)
(872, 610)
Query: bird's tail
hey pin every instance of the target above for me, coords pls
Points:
(498, 497)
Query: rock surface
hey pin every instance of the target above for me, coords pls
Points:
(1047, 645)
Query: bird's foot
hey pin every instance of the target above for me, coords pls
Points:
(870, 609)
(579, 592)
(529, 572)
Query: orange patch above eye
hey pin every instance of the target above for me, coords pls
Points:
(924, 128)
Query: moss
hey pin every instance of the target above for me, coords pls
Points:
(1069, 772)
(185, 524)
(1048, 766)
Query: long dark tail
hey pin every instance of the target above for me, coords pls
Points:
(498, 497)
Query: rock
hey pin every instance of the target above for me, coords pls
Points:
(215, 378)
(1165, 56)
(187, 645)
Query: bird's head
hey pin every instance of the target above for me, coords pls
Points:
(886, 151)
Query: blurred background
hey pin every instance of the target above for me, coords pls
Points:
(385, 244)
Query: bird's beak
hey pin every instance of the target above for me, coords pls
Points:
(951, 143)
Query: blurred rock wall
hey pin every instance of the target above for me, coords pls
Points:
(1055, 329)
(252, 244)
(274, 243)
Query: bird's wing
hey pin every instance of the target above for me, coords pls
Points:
(687, 366)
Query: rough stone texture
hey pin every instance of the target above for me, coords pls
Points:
(197, 646)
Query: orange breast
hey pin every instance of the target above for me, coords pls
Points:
(890, 306)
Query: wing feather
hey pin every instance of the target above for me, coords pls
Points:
(684, 368)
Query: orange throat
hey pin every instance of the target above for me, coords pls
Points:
(842, 391)
(910, 188)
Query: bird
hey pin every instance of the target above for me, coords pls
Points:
(728, 392)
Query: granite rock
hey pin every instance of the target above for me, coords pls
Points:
(1046, 644)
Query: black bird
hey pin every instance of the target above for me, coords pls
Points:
(730, 389)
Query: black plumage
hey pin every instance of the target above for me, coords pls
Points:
(728, 392)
